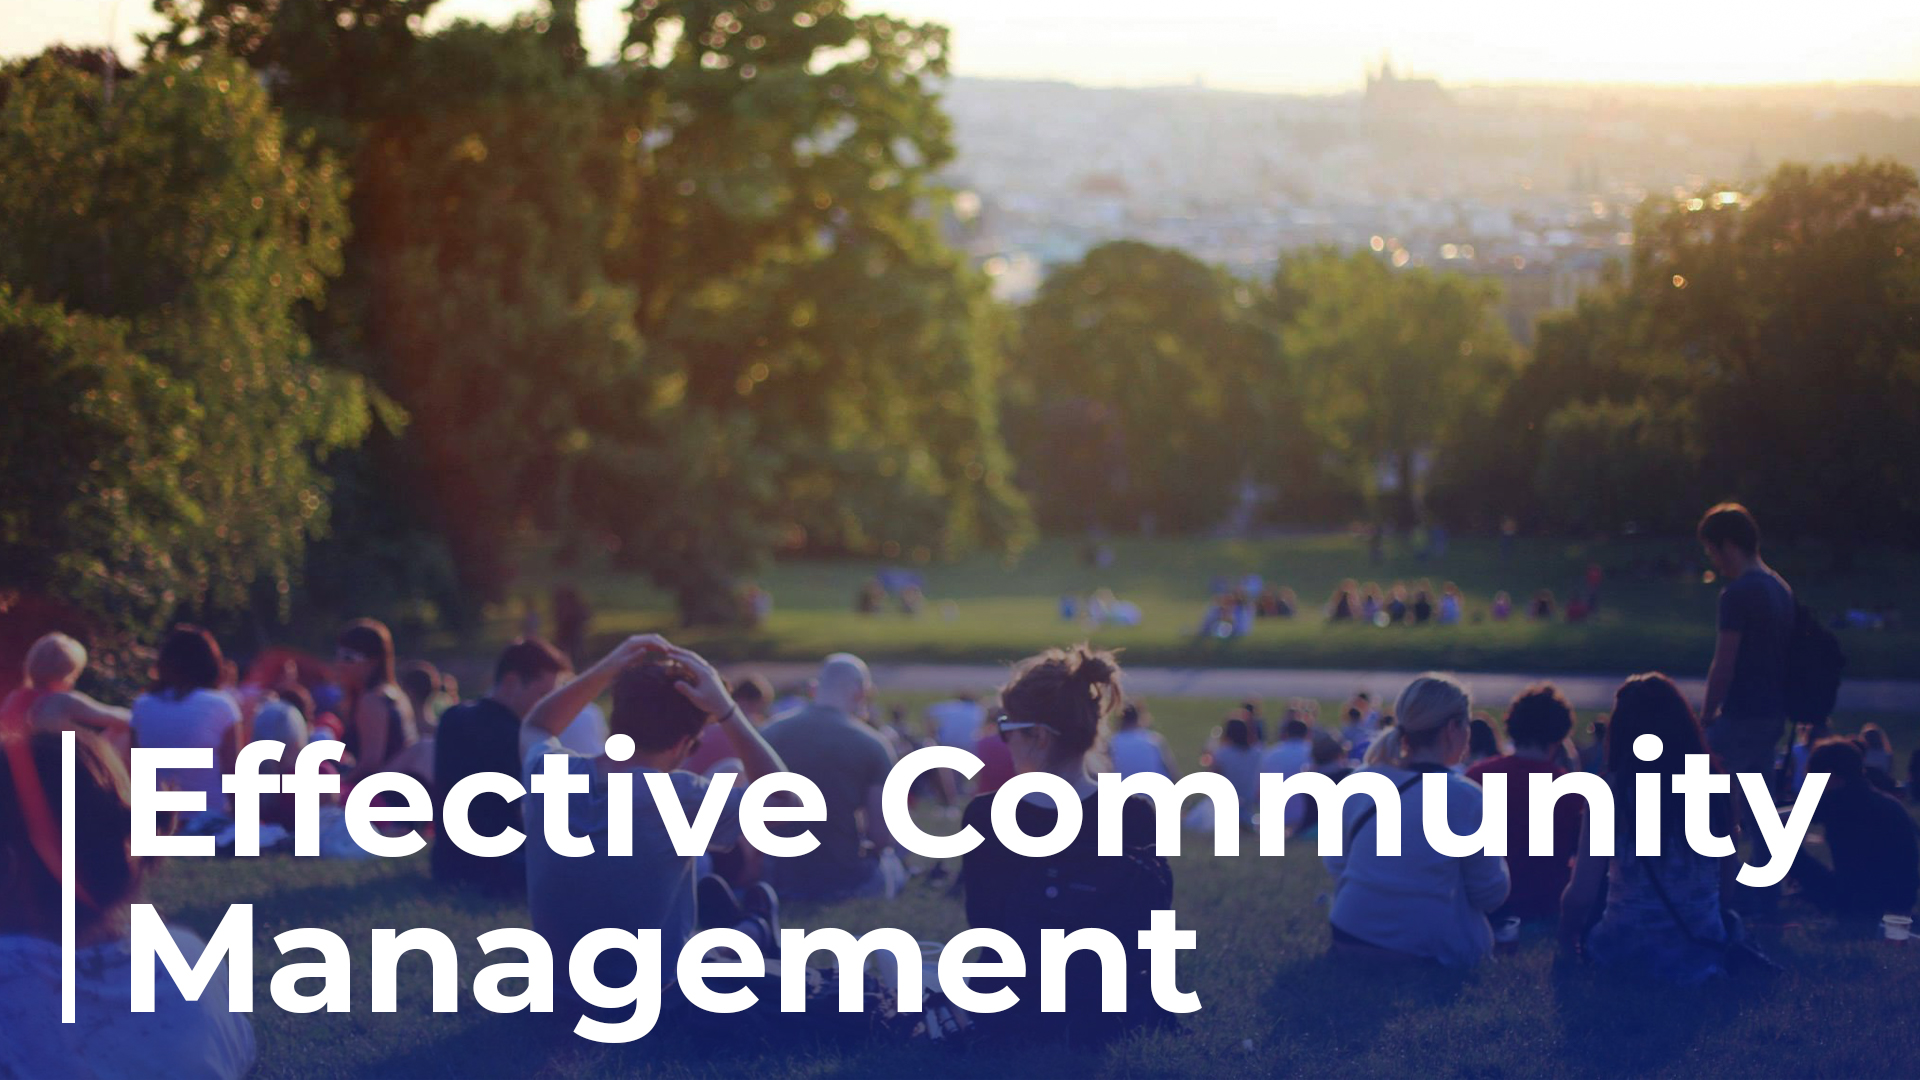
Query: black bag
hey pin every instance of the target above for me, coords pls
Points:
(1815, 665)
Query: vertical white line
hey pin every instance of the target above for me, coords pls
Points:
(66, 877)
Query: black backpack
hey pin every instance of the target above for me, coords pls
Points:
(1814, 667)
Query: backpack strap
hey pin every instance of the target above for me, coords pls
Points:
(1372, 806)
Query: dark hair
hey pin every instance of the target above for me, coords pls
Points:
(1650, 704)
(752, 689)
(530, 658)
(1130, 715)
(103, 826)
(189, 660)
(371, 639)
(1480, 739)
(1295, 728)
(1069, 690)
(1730, 523)
(1539, 716)
(420, 679)
(649, 710)
(296, 695)
(1237, 732)
(1841, 756)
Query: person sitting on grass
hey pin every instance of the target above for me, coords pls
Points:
(1659, 916)
(664, 697)
(1291, 754)
(827, 743)
(186, 709)
(1537, 721)
(1137, 748)
(179, 1037)
(1419, 904)
(1236, 756)
(484, 737)
(47, 700)
(1870, 839)
(1329, 756)
(1876, 757)
(1051, 719)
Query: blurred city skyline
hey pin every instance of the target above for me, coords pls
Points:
(1272, 45)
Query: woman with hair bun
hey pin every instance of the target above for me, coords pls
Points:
(1052, 716)
(1420, 903)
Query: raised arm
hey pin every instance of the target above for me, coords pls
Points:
(709, 692)
(558, 709)
(74, 707)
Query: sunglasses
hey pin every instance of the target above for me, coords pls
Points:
(347, 656)
(1004, 725)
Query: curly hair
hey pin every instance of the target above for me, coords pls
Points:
(1070, 691)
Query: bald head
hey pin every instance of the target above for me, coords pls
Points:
(844, 682)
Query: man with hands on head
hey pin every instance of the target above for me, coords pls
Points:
(664, 697)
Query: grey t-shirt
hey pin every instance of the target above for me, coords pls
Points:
(652, 888)
(1759, 606)
(846, 759)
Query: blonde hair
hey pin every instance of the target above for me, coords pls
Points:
(1428, 704)
(54, 658)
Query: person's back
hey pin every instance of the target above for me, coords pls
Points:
(1537, 880)
(957, 722)
(1420, 902)
(848, 762)
(1137, 750)
(1746, 704)
(197, 719)
(1662, 915)
(478, 737)
(1875, 855)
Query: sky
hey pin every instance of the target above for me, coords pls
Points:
(1315, 46)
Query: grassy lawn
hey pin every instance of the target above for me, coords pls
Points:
(1273, 1002)
(983, 609)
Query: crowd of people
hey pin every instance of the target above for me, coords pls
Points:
(1237, 606)
(1675, 916)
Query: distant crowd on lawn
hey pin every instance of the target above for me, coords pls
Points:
(1677, 916)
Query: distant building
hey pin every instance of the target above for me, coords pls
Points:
(1387, 92)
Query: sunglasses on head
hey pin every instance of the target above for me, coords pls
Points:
(1005, 725)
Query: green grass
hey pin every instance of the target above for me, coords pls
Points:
(1273, 1002)
(1001, 611)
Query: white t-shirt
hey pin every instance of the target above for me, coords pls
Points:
(108, 1039)
(1137, 750)
(200, 719)
(588, 733)
(956, 722)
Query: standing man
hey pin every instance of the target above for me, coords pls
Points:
(1746, 707)
(484, 736)
(827, 743)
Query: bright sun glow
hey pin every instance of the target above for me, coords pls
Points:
(1289, 44)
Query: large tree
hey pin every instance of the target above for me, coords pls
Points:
(1789, 321)
(1393, 363)
(1145, 388)
(163, 234)
(695, 303)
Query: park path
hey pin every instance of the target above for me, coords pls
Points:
(1583, 691)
